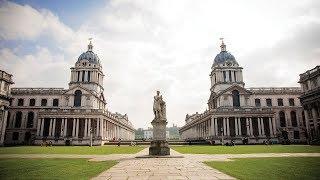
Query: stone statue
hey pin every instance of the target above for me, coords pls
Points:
(159, 146)
(159, 107)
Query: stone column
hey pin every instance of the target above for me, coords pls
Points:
(86, 127)
(65, 127)
(239, 126)
(74, 128)
(98, 129)
(3, 127)
(89, 126)
(274, 126)
(62, 128)
(224, 127)
(38, 127)
(101, 127)
(216, 126)
(248, 126)
(85, 76)
(80, 78)
(77, 127)
(228, 129)
(213, 132)
(107, 129)
(270, 127)
(53, 127)
(262, 127)
(42, 126)
(50, 127)
(251, 129)
(236, 126)
(259, 126)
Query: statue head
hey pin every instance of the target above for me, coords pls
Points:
(158, 93)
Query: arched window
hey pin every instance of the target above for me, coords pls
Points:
(236, 98)
(294, 119)
(18, 119)
(77, 98)
(30, 119)
(282, 119)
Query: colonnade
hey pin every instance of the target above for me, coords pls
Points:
(220, 126)
(97, 126)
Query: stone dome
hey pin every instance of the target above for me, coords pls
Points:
(89, 55)
(223, 57)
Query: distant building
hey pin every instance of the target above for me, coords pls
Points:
(5, 97)
(148, 134)
(238, 113)
(310, 100)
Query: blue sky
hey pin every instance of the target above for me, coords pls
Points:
(71, 12)
(149, 45)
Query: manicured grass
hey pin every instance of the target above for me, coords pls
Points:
(51, 168)
(103, 150)
(271, 168)
(242, 149)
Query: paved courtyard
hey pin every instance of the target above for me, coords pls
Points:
(178, 166)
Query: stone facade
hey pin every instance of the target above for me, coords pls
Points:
(310, 100)
(67, 116)
(5, 97)
(237, 113)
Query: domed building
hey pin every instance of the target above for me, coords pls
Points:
(67, 116)
(245, 115)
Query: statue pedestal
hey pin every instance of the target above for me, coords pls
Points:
(159, 146)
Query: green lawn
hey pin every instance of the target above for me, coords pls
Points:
(242, 149)
(51, 168)
(71, 150)
(271, 168)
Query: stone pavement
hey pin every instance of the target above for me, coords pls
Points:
(161, 168)
(190, 166)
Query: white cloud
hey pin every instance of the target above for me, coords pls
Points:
(169, 46)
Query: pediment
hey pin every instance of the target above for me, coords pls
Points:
(78, 87)
(235, 87)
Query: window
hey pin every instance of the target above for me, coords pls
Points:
(236, 98)
(296, 135)
(32, 102)
(269, 102)
(224, 76)
(291, 102)
(55, 102)
(77, 98)
(230, 78)
(257, 102)
(44, 102)
(18, 119)
(20, 102)
(280, 102)
(293, 119)
(30, 120)
(15, 136)
(282, 117)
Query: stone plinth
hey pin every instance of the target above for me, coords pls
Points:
(159, 146)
